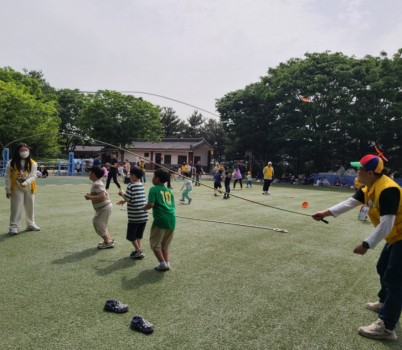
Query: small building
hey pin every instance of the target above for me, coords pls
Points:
(171, 152)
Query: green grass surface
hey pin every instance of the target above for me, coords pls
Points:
(230, 287)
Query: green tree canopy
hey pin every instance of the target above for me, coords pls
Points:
(317, 113)
(171, 123)
(25, 116)
(119, 119)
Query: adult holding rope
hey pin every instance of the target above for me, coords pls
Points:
(20, 183)
(382, 196)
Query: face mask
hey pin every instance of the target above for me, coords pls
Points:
(24, 154)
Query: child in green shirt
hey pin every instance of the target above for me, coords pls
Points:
(161, 200)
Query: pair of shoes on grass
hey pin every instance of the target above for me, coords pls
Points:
(106, 245)
(138, 323)
(163, 266)
(14, 230)
(137, 254)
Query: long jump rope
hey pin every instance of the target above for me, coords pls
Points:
(202, 184)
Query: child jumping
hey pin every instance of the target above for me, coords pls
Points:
(102, 205)
(161, 200)
(187, 186)
(137, 216)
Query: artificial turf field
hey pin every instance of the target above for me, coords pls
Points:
(230, 287)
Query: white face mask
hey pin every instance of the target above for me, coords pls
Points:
(24, 154)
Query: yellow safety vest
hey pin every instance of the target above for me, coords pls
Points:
(14, 176)
(372, 200)
(268, 172)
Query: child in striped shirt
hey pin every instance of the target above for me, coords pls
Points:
(137, 216)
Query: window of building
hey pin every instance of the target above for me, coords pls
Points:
(181, 159)
(168, 159)
(146, 155)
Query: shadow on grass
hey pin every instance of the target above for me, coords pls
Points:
(143, 278)
(5, 236)
(77, 256)
(122, 263)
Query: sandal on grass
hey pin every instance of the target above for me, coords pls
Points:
(115, 306)
(141, 325)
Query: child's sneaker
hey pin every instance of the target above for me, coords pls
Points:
(182, 200)
(115, 306)
(137, 255)
(106, 245)
(162, 267)
(33, 228)
(189, 200)
(13, 231)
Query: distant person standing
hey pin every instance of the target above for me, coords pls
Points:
(141, 164)
(228, 177)
(218, 182)
(238, 177)
(127, 167)
(268, 173)
(198, 172)
(249, 178)
(113, 165)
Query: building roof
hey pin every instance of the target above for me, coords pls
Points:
(89, 148)
(171, 144)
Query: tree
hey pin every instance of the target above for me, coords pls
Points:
(213, 132)
(119, 119)
(23, 117)
(195, 122)
(70, 105)
(26, 115)
(171, 123)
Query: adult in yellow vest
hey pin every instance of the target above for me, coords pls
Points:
(268, 173)
(383, 197)
(20, 186)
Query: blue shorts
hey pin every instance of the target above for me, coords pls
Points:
(135, 230)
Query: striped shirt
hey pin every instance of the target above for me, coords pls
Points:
(99, 188)
(135, 198)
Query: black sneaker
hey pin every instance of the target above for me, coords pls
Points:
(141, 325)
(115, 306)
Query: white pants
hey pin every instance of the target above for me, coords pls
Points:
(21, 200)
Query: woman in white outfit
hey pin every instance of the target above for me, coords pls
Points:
(20, 182)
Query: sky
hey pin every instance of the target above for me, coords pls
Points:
(194, 51)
